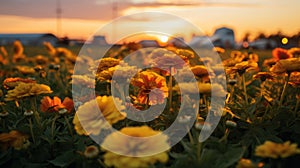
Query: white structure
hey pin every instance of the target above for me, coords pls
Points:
(262, 44)
(223, 37)
(99, 40)
(28, 39)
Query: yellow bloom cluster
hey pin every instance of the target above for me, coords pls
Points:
(92, 120)
(27, 89)
(133, 148)
(274, 150)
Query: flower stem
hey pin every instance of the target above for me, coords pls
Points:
(101, 163)
(52, 126)
(199, 149)
(35, 113)
(245, 89)
(284, 89)
(69, 126)
(190, 135)
(31, 130)
(170, 85)
(297, 105)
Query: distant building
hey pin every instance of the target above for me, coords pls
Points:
(222, 37)
(200, 41)
(149, 43)
(28, 39)
(177, 42)
(263, 44)
(99, 40)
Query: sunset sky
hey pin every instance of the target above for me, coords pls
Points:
(81, 19)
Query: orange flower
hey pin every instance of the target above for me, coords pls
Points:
(55, 104)
(10, 83)
(280, 53)
(200, 71)
(15, 139)
(150, 82)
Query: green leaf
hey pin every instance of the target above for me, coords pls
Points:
(63, 160)
(5, 156)
(230, 157)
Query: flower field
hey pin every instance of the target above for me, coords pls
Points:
(54, 116)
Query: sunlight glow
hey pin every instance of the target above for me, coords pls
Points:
(164, 39)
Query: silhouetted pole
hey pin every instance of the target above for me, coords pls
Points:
(58, 18)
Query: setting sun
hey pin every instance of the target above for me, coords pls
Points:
(164, 39)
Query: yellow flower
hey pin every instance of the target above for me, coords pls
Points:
(41, 60)
(295, 79)
(263, 76)
(105, 75)
(269, 62)
(15, 139)
(25, 70)
(91, 151)
(286, 65)
(10, 83)
(104, 64)
(27, 89)
(204, 88)
(133, 148)
(93, 122)
(219, 50)
(18, 48)
(294, 51)
(119, 72)
(242, 67)
(246, 163)
(275, 150)
(3, 51)
(185, 54)
(253, 57)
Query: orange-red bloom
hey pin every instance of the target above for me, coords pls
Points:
(55, 104)
(150, 82)
(280, 53)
